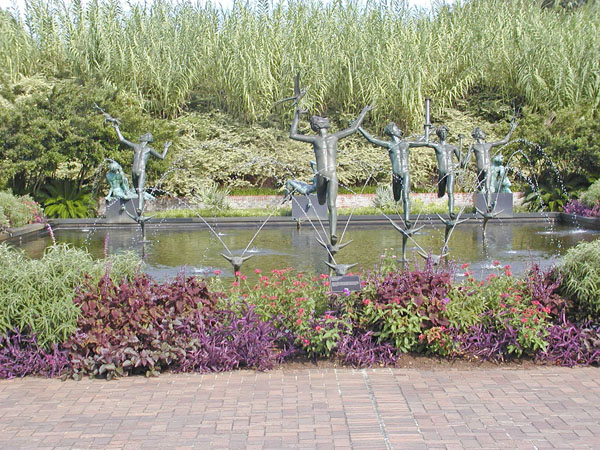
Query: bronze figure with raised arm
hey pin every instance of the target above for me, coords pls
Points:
(483, 157)
(325, 148)
(398, 150)
(446, 166)
(141, 153)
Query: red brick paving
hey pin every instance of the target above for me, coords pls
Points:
(540, 408)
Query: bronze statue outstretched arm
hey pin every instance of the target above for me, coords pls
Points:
(120, 136)
(164, 153)
(352, 128)
(371, 139)
(294, 129)
(513, 125)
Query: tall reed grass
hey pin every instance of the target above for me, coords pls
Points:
(242, 60)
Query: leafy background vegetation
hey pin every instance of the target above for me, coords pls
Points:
(209, 78)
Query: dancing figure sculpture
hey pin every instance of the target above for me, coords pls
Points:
(398, 150)
(446, 167)
(325, 148)
(483, 158)
(141, 153)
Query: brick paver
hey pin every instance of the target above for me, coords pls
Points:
(540, 408)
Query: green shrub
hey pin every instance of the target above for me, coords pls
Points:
(36, 295)
(65, 199)
(581, 279)
(18, 211)
(591, 197)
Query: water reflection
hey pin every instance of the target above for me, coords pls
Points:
(169, 248)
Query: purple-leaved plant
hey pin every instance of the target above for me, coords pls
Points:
(361, 349)
(580, 209)
(20, 355)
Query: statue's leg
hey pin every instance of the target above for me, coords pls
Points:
(488, 189)
(332, 191)
(321, 189)
(450, 188)
(140, 188)
(406, 198)
(482, 181)
(442, 179)
(396, 186)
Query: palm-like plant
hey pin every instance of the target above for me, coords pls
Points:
(65, 199)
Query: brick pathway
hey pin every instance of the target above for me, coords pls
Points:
(539, 408)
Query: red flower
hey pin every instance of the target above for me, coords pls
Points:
(464, 266)
(318, 328)
(366, 302)
(496, 262)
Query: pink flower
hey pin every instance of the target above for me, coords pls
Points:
(366, 302)
(318, 328)
(217, 272)
(235, 283)
(524, 319)
(305, 342)
(301, 311)
(326, 283)
(464, 266)
(237, 273)
(496, 262)
(323, 276)
(298, 322)
(243, 277)
(256, 270)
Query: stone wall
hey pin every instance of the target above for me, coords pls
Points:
(343, 201)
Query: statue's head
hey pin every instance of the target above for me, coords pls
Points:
(442, 132)
(147, 137)
(114, 167)
(391, 129)
(317, 123)
(478, 133)
(498, 160)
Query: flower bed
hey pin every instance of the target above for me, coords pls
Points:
(140, 326)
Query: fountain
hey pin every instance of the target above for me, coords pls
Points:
(493, 181)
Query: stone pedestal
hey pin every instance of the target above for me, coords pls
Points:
(304, 208)
(504, 203)
(115, 212)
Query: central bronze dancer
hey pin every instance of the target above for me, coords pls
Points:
(325, 147)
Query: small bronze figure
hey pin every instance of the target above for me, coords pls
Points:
(499, 183)
(118, 184)
(325, 148)
(301, 187)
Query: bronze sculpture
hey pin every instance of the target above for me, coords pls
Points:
(325, 148)
(499, 183)
(398, 150)
(141, 153)
(483, 158)
(118, 184)
(446, 167)
(301, 187)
